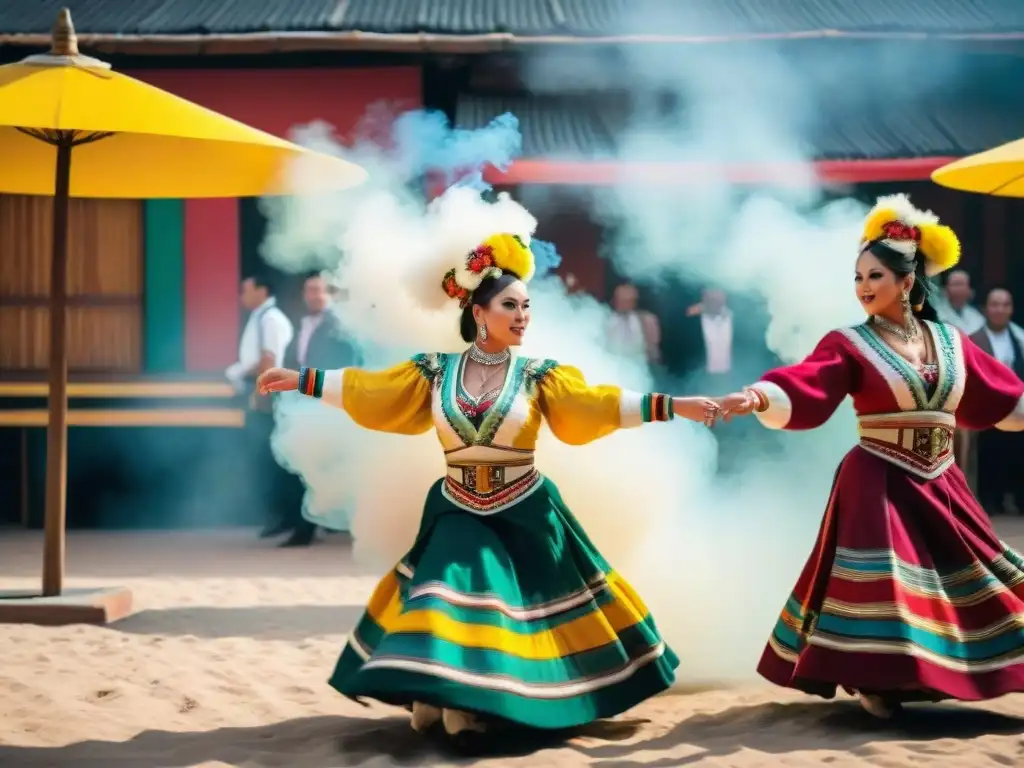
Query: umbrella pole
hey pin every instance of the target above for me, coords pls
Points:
(56, 426)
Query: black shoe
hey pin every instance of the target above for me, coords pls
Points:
(299, 539)
(275, 529)
(468, 743)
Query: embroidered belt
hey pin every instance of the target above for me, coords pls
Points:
(919, 441)
(488, 477)
(490, 487)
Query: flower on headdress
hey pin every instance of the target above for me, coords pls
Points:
(898, 230)
(913, 232)
(451, 287)
(479, 264)
(480, 258)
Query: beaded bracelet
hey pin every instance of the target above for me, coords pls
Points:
(656, 407)
(311, 382)
(761, 400)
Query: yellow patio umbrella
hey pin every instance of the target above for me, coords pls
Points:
(72, 127)
(998, 171)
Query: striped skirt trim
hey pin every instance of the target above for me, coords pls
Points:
(598, 589)
(970, 620)
(547, 679)
(560, 649)
(451, 616)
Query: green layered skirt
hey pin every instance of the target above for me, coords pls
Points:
(513, 614)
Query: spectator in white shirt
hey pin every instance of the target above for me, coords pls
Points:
(1000, 464)
(320, 343)
(265, 337)
(717, 344)
(955, 308)
(632, 332)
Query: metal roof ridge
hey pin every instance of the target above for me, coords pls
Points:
(475, 43)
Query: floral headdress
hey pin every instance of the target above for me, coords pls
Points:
(897, 224)
(492, 258)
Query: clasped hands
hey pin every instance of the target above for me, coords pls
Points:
(710, 409)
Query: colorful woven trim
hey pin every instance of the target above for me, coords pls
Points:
(489, 503)
(656, 407)
(311, 382)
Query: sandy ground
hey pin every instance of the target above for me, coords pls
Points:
(225, 662)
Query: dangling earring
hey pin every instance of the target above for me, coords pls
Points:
(908, 316)
(483, 332)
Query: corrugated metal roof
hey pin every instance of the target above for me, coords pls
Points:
(732, 17)
(551, 126)
(520, 17)
(584, 127)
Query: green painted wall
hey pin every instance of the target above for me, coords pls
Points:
(164, 294)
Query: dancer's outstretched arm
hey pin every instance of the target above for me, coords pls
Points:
(396, 399)
(801, 396)
(579, 413)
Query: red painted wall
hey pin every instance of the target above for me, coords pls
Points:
(274, 101)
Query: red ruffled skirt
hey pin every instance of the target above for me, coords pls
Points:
(908, 589)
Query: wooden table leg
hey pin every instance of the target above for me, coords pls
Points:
(24, 477)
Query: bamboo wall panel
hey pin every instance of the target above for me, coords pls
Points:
(105, 247)
(105, 339)
(105, 284)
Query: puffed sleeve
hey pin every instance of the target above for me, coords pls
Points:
(805, 395)
(992, 392)
(393, 400)
(578, 413)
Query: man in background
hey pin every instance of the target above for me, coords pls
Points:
(265, 337)
(710, 332)
(572, 283)
(632, 332)
(720, 350)
(1000, 463)
(954, 306)
(721, 346)
(320, 343)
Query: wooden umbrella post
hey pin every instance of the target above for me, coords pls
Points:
(63, 50)
(65, 45)
(57, 423)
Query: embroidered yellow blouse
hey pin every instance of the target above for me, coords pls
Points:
(427, 391)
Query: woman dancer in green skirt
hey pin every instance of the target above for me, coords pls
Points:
(503, 608)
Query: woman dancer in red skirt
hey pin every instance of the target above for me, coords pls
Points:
(909, 593)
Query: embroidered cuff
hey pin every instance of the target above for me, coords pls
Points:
(321, 384)
(780, 407)
(311, 382)
(636, 409)
(1014, 421)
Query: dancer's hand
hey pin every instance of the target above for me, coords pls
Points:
(702, 409)
(277, 380)
(737, 404)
